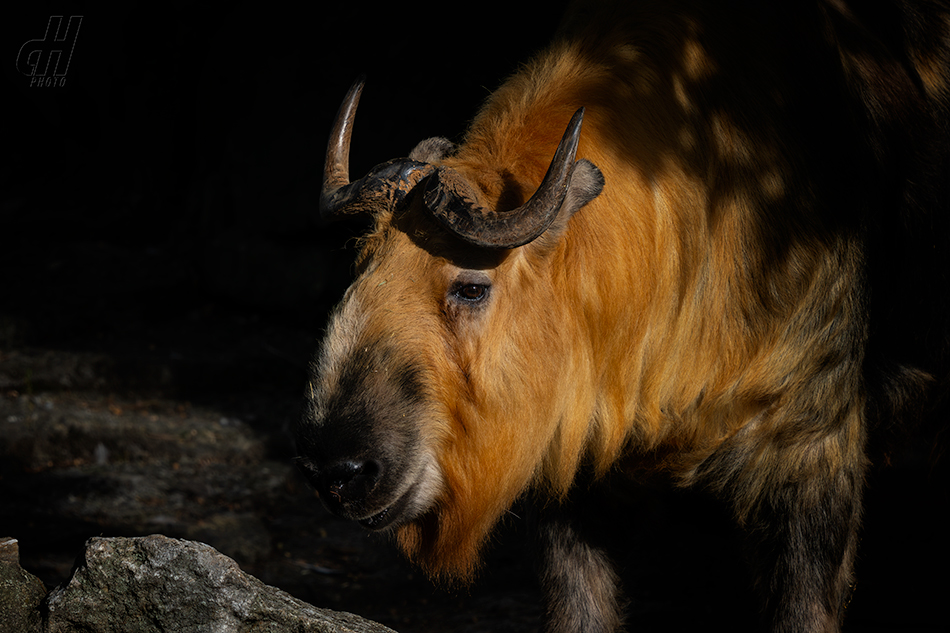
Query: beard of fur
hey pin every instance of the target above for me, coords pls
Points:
(447, 541)
(493, 449)
(484, 478)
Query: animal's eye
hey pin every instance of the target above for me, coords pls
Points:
(470, 293)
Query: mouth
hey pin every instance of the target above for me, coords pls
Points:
(370, 513)
(378, 521)
(392, 515)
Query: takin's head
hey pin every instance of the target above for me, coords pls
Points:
(443, 381)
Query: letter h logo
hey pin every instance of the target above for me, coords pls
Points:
(35, 56)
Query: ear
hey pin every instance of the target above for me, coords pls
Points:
(586, 184)
(432, 150)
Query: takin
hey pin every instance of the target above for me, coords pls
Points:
(700, 240)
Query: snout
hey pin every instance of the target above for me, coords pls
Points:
(359, 490)
(360, 438)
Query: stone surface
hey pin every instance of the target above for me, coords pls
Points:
(20, 592)
(155, 583)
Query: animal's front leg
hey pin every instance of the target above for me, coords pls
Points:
(580, 585)
(799, 500)
(804, 541)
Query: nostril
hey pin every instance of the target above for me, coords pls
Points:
(349, 481)
(370, 470)
(339, 476)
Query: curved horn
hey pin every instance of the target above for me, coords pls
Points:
(453, 202)
(385, 185)
(336, 169)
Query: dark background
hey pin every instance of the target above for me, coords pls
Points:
(160, 257)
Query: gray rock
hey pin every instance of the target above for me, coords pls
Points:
(20, 592)
(155, 584)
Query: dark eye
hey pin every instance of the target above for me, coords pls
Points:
(471, 293)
